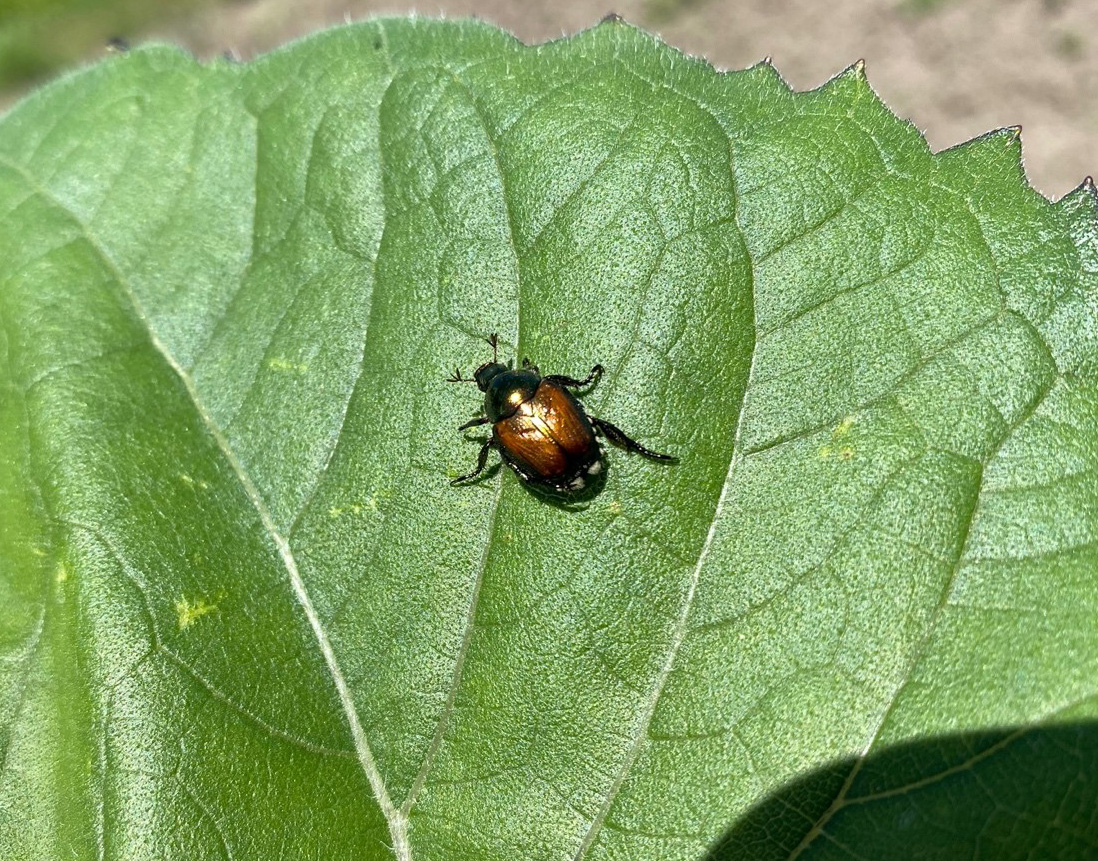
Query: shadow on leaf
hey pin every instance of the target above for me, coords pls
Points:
(1014, 793)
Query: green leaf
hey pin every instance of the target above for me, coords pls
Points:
(245, 615)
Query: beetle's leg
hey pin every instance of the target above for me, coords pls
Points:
(526, 363)
(458, 378)
(482, 459)
(472, 423)
(573, 383)
(617, 436)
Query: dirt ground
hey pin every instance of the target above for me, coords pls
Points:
(956, 68)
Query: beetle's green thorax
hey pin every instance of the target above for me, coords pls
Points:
(505, 390)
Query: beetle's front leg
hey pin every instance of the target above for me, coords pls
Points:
(472, 423)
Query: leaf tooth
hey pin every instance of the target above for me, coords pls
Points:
(767, 72)
(1086, 187)
(854, 73)
(1084, 197)
(996, 151)
(851, 84)
(1080, 210)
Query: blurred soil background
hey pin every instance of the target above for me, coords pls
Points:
(956, 68)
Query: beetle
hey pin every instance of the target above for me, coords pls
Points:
(541, 429)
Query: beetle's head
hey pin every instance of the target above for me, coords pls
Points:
(488, 372)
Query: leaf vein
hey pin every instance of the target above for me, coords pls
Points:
(396, 822)
(680, 630)
(474, 598)
(841, 798)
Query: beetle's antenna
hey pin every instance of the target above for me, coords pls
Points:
(493, 339)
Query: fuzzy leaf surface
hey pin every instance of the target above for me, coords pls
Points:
(243, 614)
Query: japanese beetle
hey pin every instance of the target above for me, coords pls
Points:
(540, 428)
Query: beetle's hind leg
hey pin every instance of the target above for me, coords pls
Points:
(617, 436)
(482, 459)
(573, 383)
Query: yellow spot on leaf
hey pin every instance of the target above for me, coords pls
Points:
(841, 430)
(62, 573)
(193, 482)
(189, 612)
(279, 364)
(379, 496)
(369, 504)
